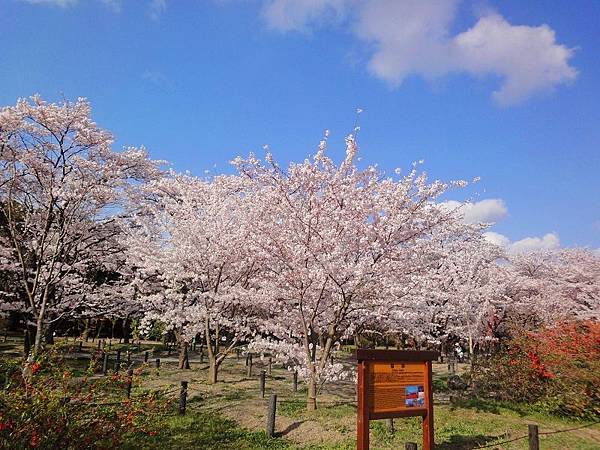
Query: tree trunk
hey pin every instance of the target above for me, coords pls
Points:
(86, 330)
(184, 362)
(26, 343)
(39, 333)
(213, 369)
(100, 322)
(311, 399)
(126, 330)
(49, 334)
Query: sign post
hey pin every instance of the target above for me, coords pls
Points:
(394, 383)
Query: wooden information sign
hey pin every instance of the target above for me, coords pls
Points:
(394, 383)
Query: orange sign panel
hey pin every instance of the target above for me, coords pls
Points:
(396, 386)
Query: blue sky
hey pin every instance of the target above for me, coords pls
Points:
(507, 91)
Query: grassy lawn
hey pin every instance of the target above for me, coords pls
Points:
(456, 428)
(232, 415)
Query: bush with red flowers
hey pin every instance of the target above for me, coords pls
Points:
(45, 406)
(557, 368)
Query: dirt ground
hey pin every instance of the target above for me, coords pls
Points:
(237, 397)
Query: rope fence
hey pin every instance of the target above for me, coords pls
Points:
(534, 433)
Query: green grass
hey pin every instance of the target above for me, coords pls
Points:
(465, 424)
(201, 429)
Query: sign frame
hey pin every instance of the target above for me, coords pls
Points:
(366, 359)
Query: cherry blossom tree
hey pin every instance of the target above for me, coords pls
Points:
(60, 186)
(189, 242)
(558, 284)
(341, 246)
(470, 288)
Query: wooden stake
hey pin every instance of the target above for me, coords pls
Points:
(183, 398)
(249, 372)
(105, 364)
(390, 425)
(534, 437)
(262, 383)
(129, 382)
(271, 416)
(118, 361)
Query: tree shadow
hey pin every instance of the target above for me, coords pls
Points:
(291, 427)
(460, 442)
(490, 406)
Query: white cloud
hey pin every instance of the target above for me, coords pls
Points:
(114, 5)
(412, 37)
(486, 211)
(157, 77)
(156, 8)
(61, 3)
(497, 238)
(549, 241)
(288, 15)
(527, 58)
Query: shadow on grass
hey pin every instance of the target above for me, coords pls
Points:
(491, 406)
(202, 430)
(291, 427)
(459, 442)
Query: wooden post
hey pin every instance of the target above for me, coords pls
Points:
(201, 354)
(105, 364)
(26, 343)
(534, 438)
(183, 397)
(237, 353)
(128, 358)
(295, 381)
(247, 356)
(169, 349)
(271, 416)
(362, 425)
(428, 439)
(146, 356)
(270, 366)
(410, 446)
(80, 346)
(99, 344)
(118, 361)
(390, 425)
(262, 384)
(249, 371)
(158, 363)
(109, 344)
(129, 382)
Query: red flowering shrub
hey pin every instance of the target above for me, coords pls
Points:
(44, 406)
(556, 367)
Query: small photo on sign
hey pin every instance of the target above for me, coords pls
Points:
(415, 396)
